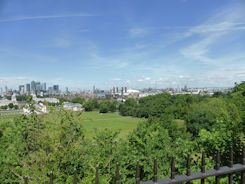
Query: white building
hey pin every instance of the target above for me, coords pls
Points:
(13, 100)
(4, 102)
(72, 106)
(50, 100)
(39, 109)
(131, 92)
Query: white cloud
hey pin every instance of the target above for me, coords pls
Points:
(23, 54)
(211, 33)
(62, 43)
(22, 18)
(144, 79)
(138, 32)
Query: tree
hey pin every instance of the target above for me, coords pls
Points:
(8, 97)
(203, 115)
(11, 105)
(104, 107)
(78, 100)
(88, 106)
(218, 94)
(128, 108)
(62, 100)
(113, 106)
(5, 107)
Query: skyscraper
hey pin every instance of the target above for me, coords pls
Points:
(44, 86)
(21, 87)
(56, 88)
(38, 86)
(6, 89)
(27, 88)
(33, 86)
(67, 91)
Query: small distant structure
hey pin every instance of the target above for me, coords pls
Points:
(5, 102)
(13, 98)
(50, 100)
(39, 108)
(73, 106)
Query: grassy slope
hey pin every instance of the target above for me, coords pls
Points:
(95, 120)
(92, 120)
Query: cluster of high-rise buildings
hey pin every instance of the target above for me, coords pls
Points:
(38, 87)
(34, 87)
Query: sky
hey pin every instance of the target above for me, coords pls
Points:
(133, 43)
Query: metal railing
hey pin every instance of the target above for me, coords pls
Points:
(217, 172)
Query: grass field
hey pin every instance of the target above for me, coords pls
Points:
(95, 120)
(113, 121)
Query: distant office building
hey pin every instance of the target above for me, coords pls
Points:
(185, 88)
(21, 88)
(67, 91)
(6, 89)
(33, 86)
(50, 90)
(38, 86)
(27, 88)
(44, 87)
(56, 88)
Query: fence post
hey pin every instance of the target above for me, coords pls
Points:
(25, 180)
(172, 169)
(117, 174)
(75, 176)
(217, 166)
(243, 163)
(230, 165)
(137, 173)
(155, 171)
(51, 177)
(97, 175)
(188, 171)
(203, 166)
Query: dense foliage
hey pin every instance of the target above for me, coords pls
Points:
(176, 125)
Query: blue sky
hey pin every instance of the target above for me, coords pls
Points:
(134, 43)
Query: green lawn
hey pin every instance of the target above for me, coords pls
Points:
(95, 120)
(113, 121)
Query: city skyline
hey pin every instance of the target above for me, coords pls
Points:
(78, 44)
